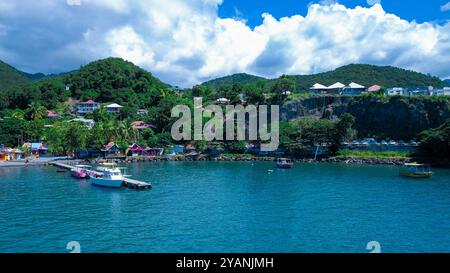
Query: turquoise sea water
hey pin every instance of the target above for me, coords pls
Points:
(227, 207)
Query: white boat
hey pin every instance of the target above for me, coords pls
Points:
(111, 178)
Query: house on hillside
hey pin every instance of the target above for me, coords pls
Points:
(374, 89)
(353, 89)
(141, 125)
(142, 112)
(420, 91)
(86, 107)
(52, 115)
(88, 122)
(318, 89)
(113, 108)
(222, 101)
(396, 91)
(445, 91)
(335, 88)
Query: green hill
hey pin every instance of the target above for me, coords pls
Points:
(368, 75)
(241, 78)
(112, 79)
(9, 76)
(364, 74)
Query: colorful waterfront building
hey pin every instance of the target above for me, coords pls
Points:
(135, 150)
(111, 149)
(36, 148)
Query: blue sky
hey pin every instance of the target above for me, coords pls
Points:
(251, 10)
(186, 42)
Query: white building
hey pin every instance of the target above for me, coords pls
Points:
(113, 108)
(353, 89)
(318, 89)
(222, 101)
(396, 91)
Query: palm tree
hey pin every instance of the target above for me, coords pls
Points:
(37, 111)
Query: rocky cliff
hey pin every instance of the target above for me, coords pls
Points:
(384, 117)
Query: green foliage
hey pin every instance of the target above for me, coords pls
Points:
(9, 77)
(436, 142)
(114, 79)
(370, 154)
(236, 146)
(307, 132)
(241, 78)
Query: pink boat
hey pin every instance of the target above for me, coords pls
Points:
(80, 171)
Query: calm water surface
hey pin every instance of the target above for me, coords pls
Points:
(227, 207)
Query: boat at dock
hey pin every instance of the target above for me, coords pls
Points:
(284, 163)
(416, 170)
(110, 178)
(80, 171)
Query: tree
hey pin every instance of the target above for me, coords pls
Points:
(280, 88)
(342, 130)
(75, 136)
(435, 142)
(36, 111)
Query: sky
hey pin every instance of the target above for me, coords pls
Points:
(186, 42)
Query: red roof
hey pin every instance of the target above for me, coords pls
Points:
(52, 114)
(89, 102)
(142, 125)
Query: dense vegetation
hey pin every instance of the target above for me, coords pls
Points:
(9, 76)
(435, 143)
(240, 78)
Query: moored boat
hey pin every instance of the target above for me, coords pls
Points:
(111, 178)
(284, 163)
(416, 170)
(80, 171)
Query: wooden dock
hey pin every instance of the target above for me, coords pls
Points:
(127, 182)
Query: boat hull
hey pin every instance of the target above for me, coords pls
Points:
(79, 175)
(107, 183)
(417, 175)
(284, 166)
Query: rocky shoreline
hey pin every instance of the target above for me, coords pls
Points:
(355, 161)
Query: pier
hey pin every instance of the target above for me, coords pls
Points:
(127, 182)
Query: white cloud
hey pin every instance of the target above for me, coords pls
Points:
(445, 7)
(73, 2)
(184, 42)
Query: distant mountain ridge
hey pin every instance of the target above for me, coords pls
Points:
(367, 75)
(242, 78)
(10, 76)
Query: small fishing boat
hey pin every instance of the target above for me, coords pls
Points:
(284, 163)
(80, 171)
(416, 170)
(111, 178)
